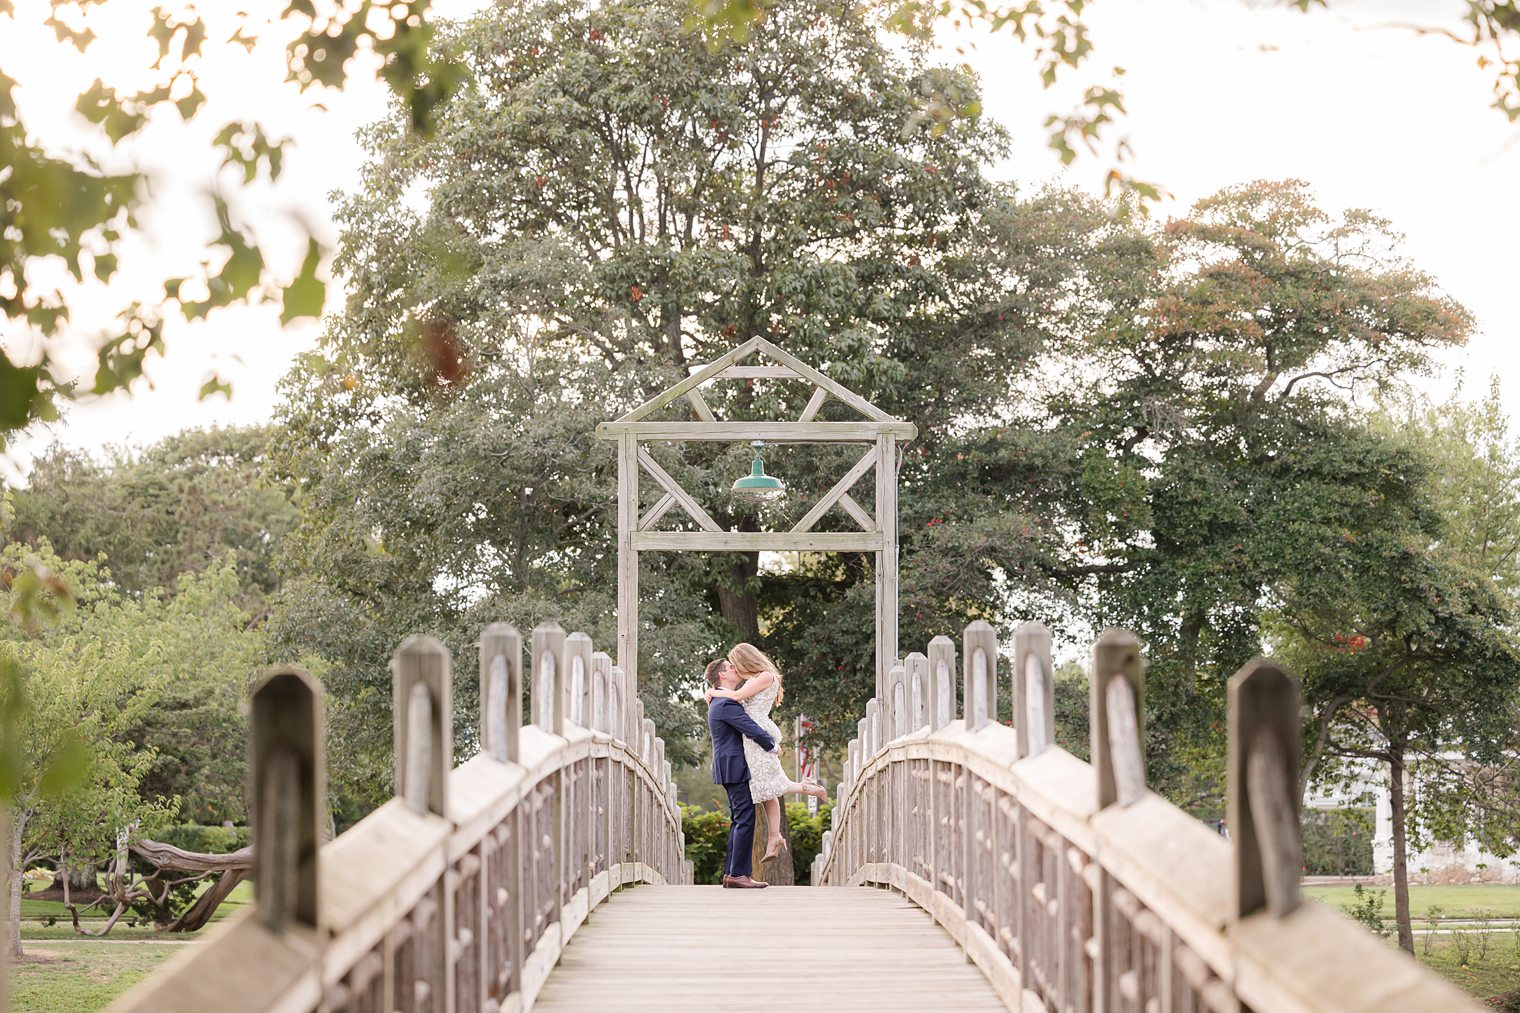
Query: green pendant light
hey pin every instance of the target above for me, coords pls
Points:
(757, 483)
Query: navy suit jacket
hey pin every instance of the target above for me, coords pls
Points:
(729, 724)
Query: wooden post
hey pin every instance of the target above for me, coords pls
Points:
(919, 689)
(886, 559)
(1034, 719)
(286, 769)
(501, 711)
(617, 705)
(1118, 724)
(628, 561)
(1117, 694)
(422, 686)
(897, 703)
(979, 677)
(549, 683)
(1263, 800)
(578, 651)
(942, 679)
(873, 727)
(599, 692)
(646, 743)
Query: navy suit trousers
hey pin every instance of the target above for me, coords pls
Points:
(741, 830)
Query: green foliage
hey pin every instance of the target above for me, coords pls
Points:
(1367, 909)
(140, 654)
(706, 841)
(563, 270)
(164, 512)
(1072, 711)
(1492, 980)
(66, 213)
(1337, 842)
(188, 520)
(1433, 915)
(215, 840)
(806, 831)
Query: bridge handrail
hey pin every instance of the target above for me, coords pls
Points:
(1074, 890)
(459, 893)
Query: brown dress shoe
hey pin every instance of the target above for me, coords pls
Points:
(743, 883)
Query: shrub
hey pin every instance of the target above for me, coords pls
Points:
(1367, 908)
(807, 836)
(211, 840)
(1461, 944)
(1483, 931)
(707, 839)
(706, 842)
(1432, 919)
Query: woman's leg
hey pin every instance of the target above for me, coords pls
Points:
(773, 838)
(807, 788)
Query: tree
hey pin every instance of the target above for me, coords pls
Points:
(1408, 648)
(117, 695)
(157, 515)
(71, 781)
(607, 202)
(72, 213)
(1218, 449)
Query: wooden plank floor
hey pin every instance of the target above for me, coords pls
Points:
(703, 949)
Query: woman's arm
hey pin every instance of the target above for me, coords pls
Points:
(745, 691)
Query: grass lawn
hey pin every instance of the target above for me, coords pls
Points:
(1461, 901)
(1495, 974)
(80, 977)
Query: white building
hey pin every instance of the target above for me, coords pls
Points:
(1439, 862)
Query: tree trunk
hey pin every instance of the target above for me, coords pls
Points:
(198, 915)
(1400, 856)
(13, 863)
(735, 599)
(83, 877)
(778, 871)
(1187, 647)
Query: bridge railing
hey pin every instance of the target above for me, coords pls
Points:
(460, 892)
(1071, 885)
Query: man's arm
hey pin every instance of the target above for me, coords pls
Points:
(734, 715)
(745, 691)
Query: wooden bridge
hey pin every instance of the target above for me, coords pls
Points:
(970, 865)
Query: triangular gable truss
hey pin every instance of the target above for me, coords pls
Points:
(728, 366)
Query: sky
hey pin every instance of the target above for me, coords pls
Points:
(1370, 112)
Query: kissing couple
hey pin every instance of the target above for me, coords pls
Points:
(746, 747)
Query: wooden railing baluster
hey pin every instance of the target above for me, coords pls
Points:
(458, 895)
(1071, 885)
(1034, 721)
(942, 678)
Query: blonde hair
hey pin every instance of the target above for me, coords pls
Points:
(749, 661)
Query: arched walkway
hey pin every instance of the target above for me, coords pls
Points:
(701, 949)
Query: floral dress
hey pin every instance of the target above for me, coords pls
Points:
(766, 778)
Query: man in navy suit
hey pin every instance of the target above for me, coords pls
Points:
(729, 724)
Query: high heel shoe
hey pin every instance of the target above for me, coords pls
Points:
(773, 848)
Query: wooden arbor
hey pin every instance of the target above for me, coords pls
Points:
(877, 431)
